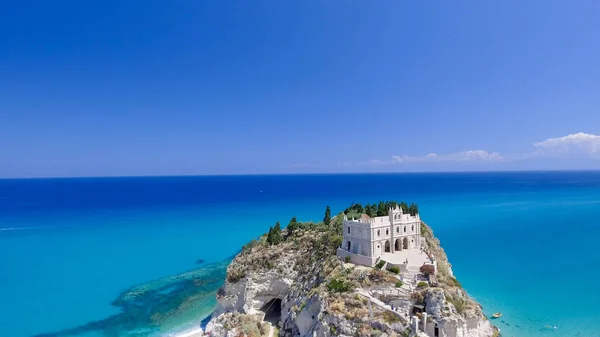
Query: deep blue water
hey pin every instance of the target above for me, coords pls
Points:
(118, 256)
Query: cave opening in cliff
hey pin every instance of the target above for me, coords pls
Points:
(272, 310)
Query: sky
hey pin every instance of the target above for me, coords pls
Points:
(111, 88)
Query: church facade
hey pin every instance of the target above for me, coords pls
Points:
(366, 239)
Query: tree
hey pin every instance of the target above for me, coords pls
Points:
(413, 209)
(404, 207)
(373, 211)
(381, 209)
(368, 210)
(292, 226)
(277, 233)
(327, 218)
(274, 235)
(270, 236)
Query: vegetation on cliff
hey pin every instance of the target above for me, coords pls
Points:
(308, 240)
(305, 253)
(380, 209)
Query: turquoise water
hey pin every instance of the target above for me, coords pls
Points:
(119, 256)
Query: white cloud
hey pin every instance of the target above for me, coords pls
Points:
(578, 144)
(471, 155)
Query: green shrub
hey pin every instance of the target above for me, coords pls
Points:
(399, 284)
(460, 304)
(390, 317)
(338, 286)
(270, 265)
(253, 243)
(379, 264)
(394, 269)
(235, 275)
(455, 282)
(347, 259)
(422, 284)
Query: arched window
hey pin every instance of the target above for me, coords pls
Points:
(387, 232)
(348, 229)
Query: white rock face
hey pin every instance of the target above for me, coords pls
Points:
(453, 324)
(436, 301)
(252, 293)
(216, 326)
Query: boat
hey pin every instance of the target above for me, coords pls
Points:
(497, 315)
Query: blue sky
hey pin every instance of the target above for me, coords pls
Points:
(95, 88)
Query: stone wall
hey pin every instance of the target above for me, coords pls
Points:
(357, 259)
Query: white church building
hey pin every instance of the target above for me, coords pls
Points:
(368, 239)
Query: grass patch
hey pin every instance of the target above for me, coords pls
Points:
(380, 264)
(399, 284)
(453, 281)
(390, 317)
(235, 275)
(422, 284)
(338, 286)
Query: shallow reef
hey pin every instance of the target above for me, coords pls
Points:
(157, 305)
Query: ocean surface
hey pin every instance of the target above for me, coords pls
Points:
(112, 257)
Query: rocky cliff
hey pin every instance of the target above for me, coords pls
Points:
(299, 287)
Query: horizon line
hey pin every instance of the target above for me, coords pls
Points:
(297, 174)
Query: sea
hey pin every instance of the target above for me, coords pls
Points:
(144, 256)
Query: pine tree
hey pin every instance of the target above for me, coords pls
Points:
(327, 218)
(270, 236)
(413, 209)
(381, 210)
(404, 207)
(371, 210)
(277, 234)
(292, 227)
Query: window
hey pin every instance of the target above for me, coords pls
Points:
(348, 229)
(404, 229)
(397, 229)
(413, 228)
(387, 232)
(378, 233)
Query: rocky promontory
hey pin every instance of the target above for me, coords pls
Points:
(291, 283)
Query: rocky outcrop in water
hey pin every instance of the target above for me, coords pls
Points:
(301, 288)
